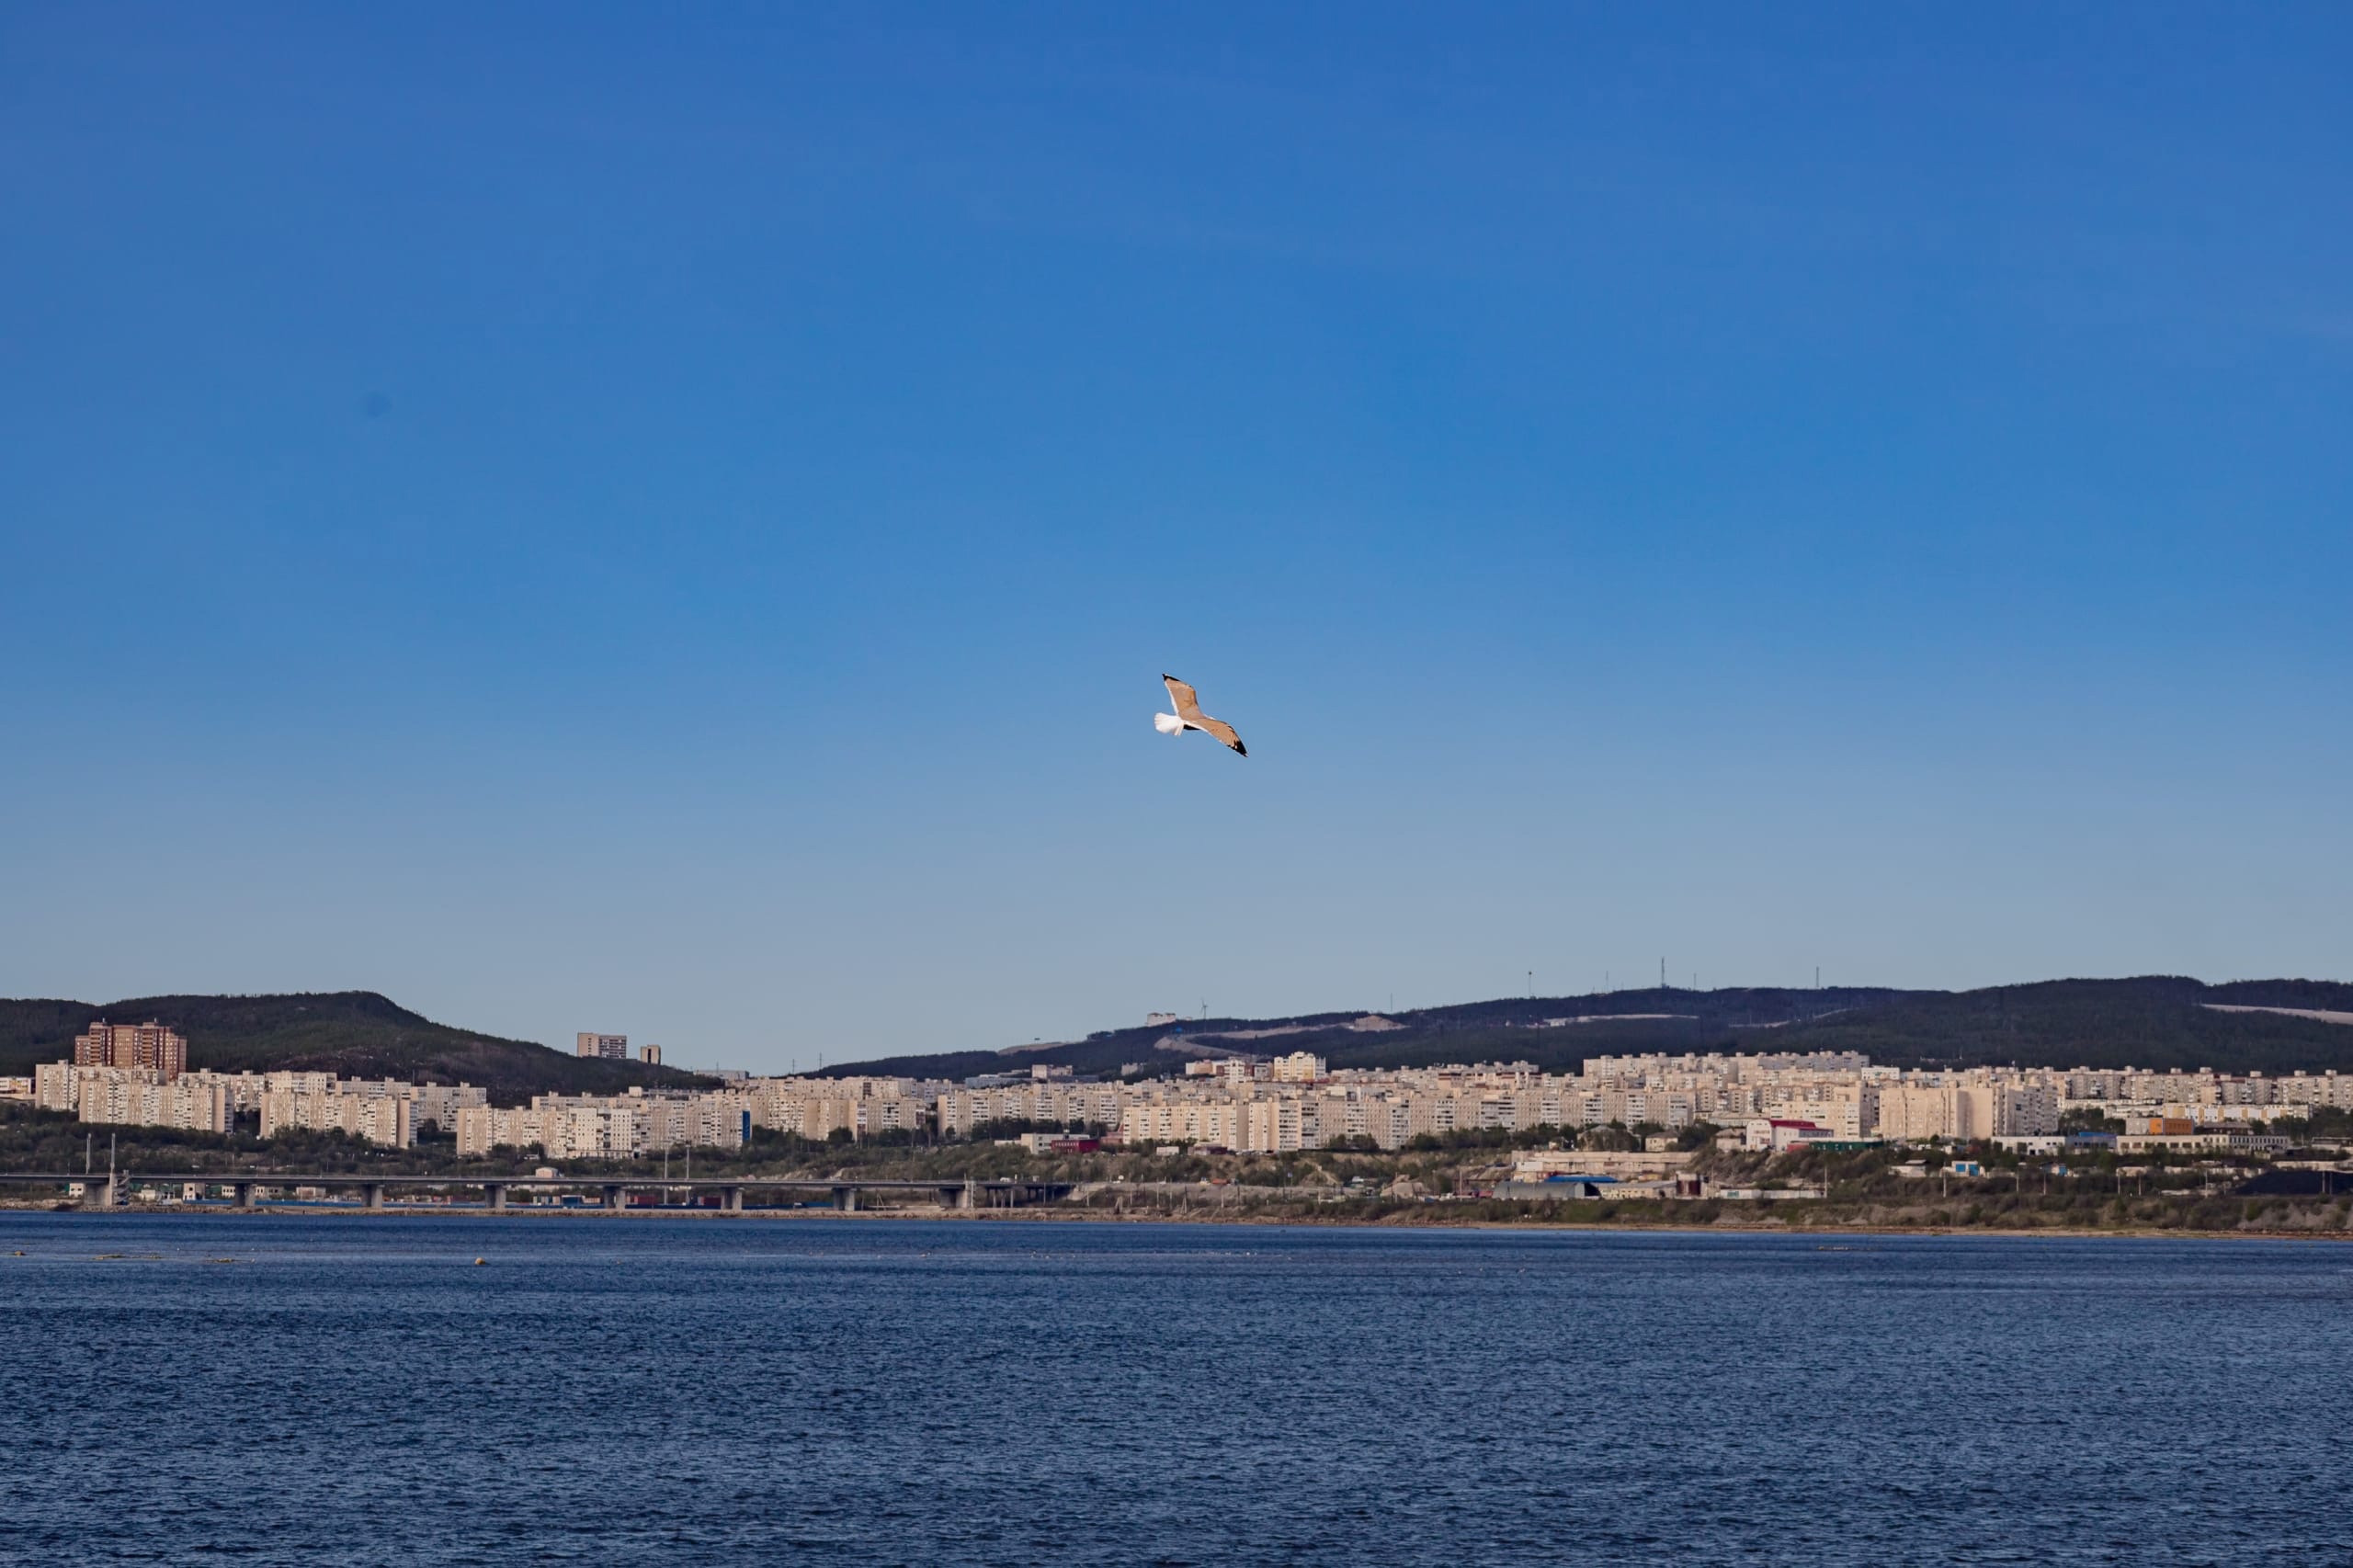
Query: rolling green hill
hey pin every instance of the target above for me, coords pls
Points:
(2155, 1022)
(356, 1034)
(1511, 1029)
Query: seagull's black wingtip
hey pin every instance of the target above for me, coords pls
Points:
(1241, 750)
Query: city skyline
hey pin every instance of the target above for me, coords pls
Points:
(1278, 1104)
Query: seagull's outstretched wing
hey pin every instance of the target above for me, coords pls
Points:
(1219, 728)
(1188, 706)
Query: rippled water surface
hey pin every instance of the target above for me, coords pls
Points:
(314, 1390)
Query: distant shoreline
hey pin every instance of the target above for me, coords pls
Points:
(1048, 1214)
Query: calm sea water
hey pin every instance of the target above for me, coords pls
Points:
(642, 1389)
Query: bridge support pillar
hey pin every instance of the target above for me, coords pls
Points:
(495, 1192)
(731, 1198)
(241, 1193)
(372, 1195)
(99, 1192)
(846, 1199)
(612, 1195)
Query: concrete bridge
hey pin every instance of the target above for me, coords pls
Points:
(103, 1189)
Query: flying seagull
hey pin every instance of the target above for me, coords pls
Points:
(1189, 716)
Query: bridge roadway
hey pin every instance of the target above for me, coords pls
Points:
(104, 1191)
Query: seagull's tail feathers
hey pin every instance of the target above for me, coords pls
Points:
(1168, 723)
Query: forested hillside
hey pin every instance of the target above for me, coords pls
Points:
(356, 1034)
(2158, 1021)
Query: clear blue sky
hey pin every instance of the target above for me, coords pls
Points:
(582, 518)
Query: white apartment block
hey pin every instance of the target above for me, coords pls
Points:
(2215, 1096)
(959, 1110)
(133, 1096)
(376, 1119)
(381, 1111)
(611, 1127)
(137, 1097)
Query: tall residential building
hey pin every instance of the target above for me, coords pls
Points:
(610, 1047)
(650, 1054)
(149, 1045)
